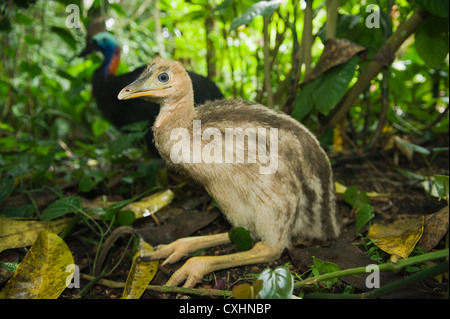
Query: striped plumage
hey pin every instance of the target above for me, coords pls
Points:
(296, 200)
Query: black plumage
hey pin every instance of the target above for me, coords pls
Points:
(106, 85)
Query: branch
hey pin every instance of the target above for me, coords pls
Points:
(389, 266)
(163, 289)
(384, 57)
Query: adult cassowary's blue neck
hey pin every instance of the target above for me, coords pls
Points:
(112, 60)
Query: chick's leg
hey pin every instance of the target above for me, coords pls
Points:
(197, 267)
(183, 246)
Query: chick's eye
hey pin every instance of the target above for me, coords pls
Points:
(163, 77)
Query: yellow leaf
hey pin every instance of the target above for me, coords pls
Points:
(22, 233)
(340, 189)
(151, 204)
(42, 274)
(141, 273)
(399, 237)
(338, 141)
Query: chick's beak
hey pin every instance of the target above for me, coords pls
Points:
(135, 89)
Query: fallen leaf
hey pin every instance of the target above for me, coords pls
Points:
(398, 238)
(141, 273)
(42, 274)
(22, 233)
(436, 226)
(340, 189)
(247, 291)
(151, 204)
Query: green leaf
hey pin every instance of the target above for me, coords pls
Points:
(277, 284)
(241, 238)
(356, 198)
(6, 187)
(437, 7)
(261, 8)
(65, 35)
(431, 40)
(99, 127)
(333, 85)
(61, 207)
(321, 267)
(363, 217)
(29, 39)
(303, 101)
(136, 126)
(442, 184)
(414, 147)
(123, 142)
(125, 217)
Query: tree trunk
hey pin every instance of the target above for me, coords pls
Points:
(211, 29)
(332, 17)
(267, 68)
(307, 38)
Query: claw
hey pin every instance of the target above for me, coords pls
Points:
(192, 272)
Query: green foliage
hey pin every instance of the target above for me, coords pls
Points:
(277, 283)
(261, 8)
(241, 238)
(323, 93)
(321, 267)
(61, 207)
(360, 203)
(431, 40)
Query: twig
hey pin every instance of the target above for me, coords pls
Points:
(163, 289)
(405, 282)
(353, 271)
(389, 266)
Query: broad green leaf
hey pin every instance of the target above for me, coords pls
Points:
(65, 35)
(321, 267)
(136, 127)
(277, 284)
(42, 273)
(303, 101)
(247, 291)
(141, 273)
(437, 7)
(431, 40)
(151, 204)
(123, 142)
(261, 8)
(61, 207)
(241, 238)
(356, 198)
(22, 233)
(99, 127)
(398, 238)
(333, 85)
(442, 184)
(125, 217)
(363, 216)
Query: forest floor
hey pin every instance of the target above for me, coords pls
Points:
(190, 213)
